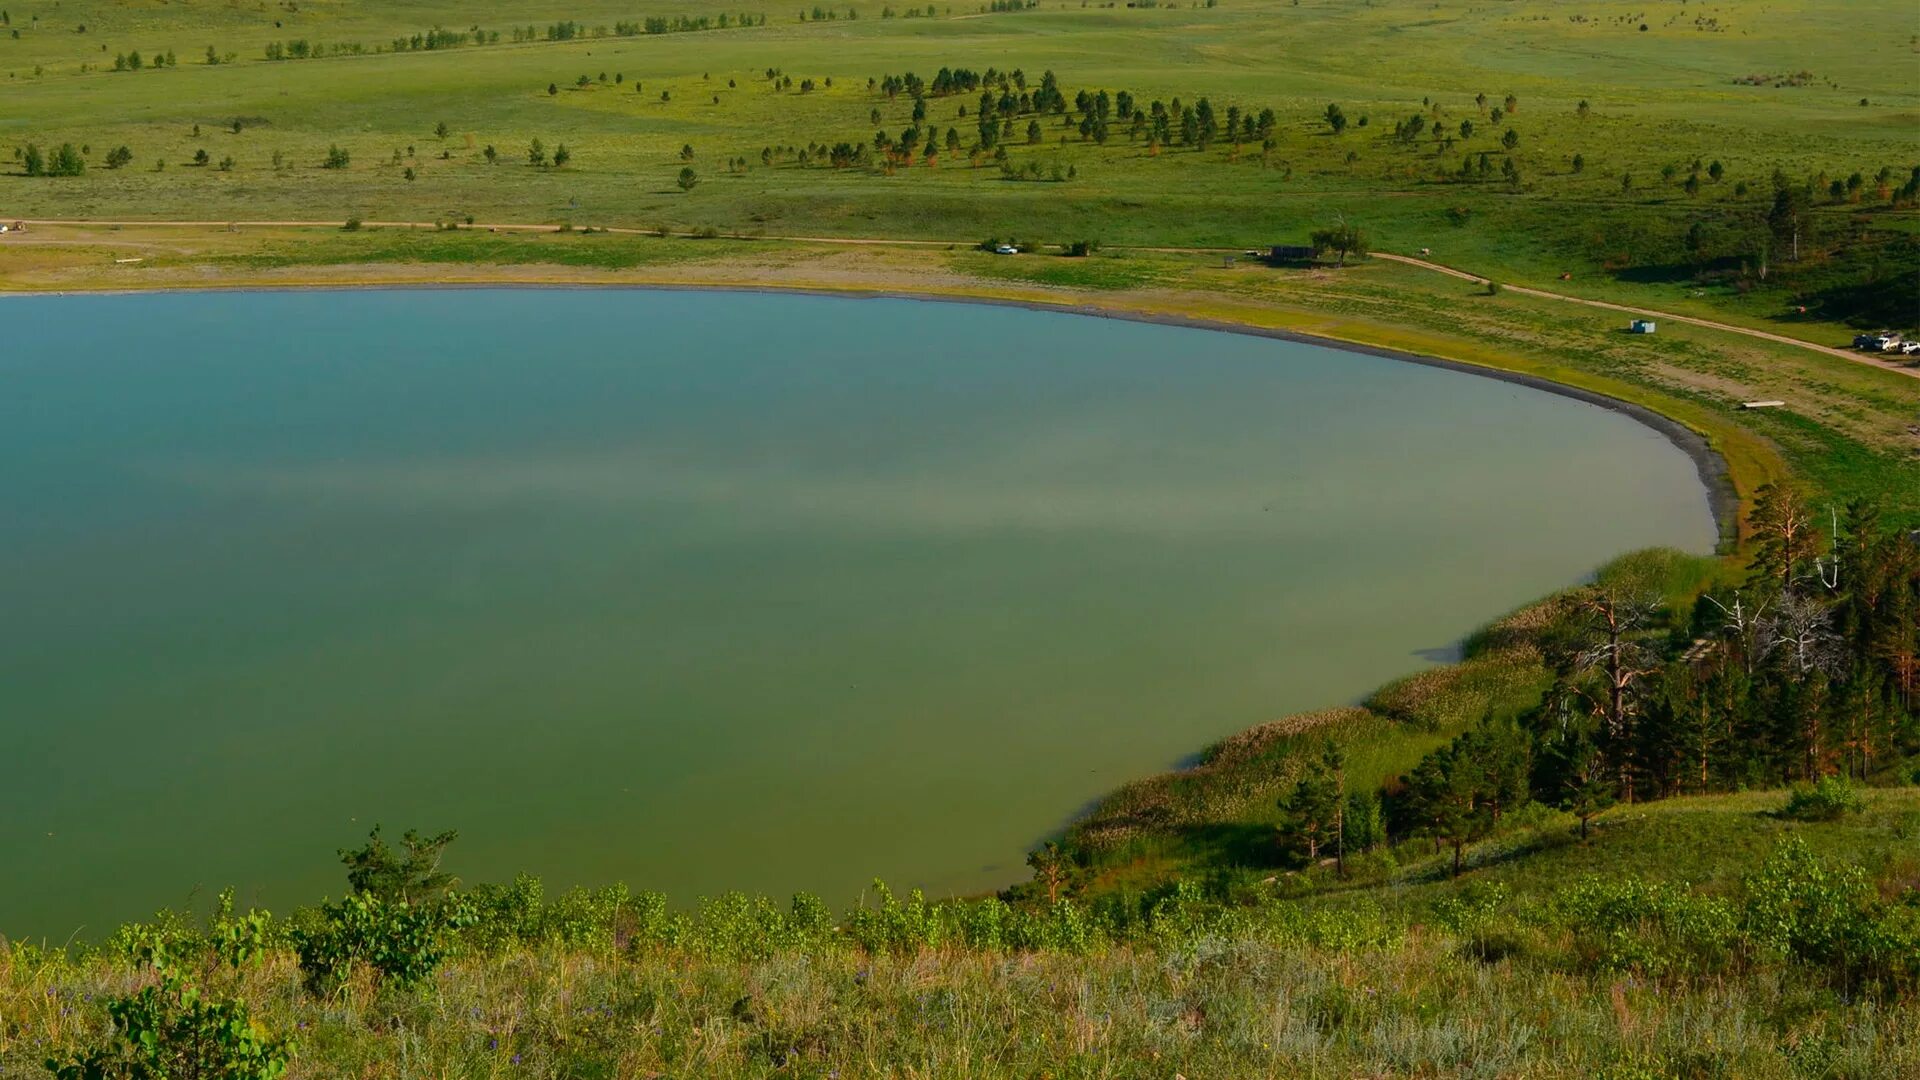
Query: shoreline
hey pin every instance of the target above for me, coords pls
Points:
(1711, 468)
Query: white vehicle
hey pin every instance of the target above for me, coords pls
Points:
(1006, 249)
(1908, 348)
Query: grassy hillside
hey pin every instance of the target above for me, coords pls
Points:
(1667, 94)
(1651, 951)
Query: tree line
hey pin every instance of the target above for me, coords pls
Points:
(1806, 670)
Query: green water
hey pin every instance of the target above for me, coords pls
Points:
(703, 591)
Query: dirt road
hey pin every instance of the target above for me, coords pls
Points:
(1867, 359)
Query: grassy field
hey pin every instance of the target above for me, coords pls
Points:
(1660, 97)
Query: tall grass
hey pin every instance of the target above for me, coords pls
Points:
(1606, 977)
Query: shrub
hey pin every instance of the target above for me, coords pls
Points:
(171, 1028)
(893, 926)
(1654, 928)
(1831, 799)
(401, 941)
(1472, 914)
(1828, 916)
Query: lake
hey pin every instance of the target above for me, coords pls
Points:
(706, 590)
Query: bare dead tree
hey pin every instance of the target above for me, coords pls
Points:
(1800, 640)
(1740, 624)
(1800, 635)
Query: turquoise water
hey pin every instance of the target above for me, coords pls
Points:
(706, 590)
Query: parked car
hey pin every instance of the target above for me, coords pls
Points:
(1880, 342)
(1005, 249)
(1908, 348)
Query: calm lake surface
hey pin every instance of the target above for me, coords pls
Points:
(703, 591)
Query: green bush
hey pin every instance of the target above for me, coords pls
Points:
(401, 941)
(1829, 917)
(1625, 924)
(1831, 799)
(171, 1028)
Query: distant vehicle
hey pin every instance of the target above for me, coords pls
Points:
(1005, 249)
(1640, 326)
(1908, 348)
(1864, 341)
(1884, 341)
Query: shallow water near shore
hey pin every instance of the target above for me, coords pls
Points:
(703, 591)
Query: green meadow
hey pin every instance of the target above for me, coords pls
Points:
(1613, 107)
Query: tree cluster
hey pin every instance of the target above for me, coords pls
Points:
(64, 161)
(1808, 670)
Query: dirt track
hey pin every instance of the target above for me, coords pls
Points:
(1866, 359)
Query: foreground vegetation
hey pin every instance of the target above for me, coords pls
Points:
(1758, 947)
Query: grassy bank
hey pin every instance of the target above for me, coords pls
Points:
(1643, 953)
